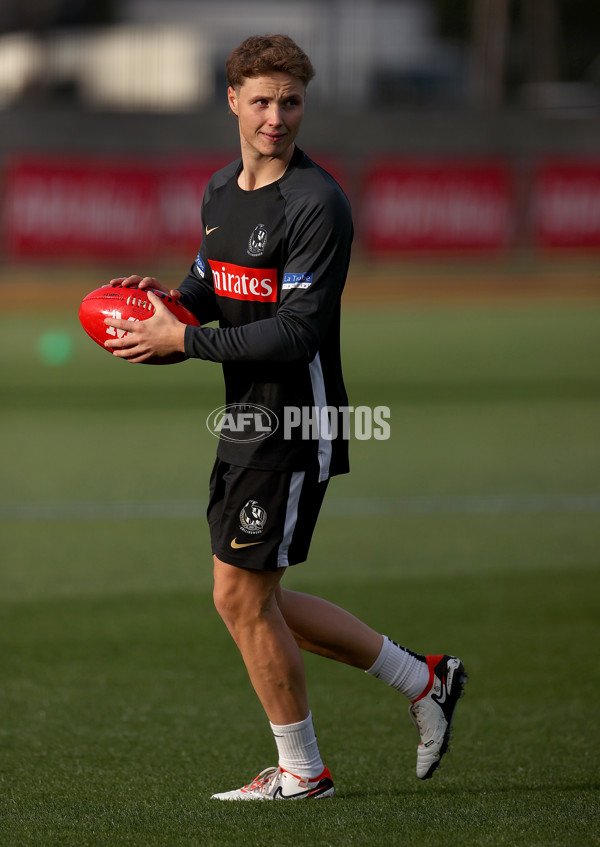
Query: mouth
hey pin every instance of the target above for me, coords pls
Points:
(274, 137)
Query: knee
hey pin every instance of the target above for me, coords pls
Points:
(237, 599)
(228, 600)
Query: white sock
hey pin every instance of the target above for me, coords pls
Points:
(404, 670)
(298, 749)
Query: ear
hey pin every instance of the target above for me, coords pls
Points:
(232, 99)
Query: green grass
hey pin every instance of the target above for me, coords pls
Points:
(474, 529)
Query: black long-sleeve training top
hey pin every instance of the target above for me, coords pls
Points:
(271, 269)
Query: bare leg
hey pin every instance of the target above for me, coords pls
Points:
(328, 630)
(246, 600)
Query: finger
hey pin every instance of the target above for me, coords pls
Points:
(149, 282)
(132, 353)
(156, 302)
(160, 308)
(175, 293)
(124, 343)
(127, 281)
(135, 360)
(119, 323)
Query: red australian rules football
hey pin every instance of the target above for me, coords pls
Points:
(128, 304)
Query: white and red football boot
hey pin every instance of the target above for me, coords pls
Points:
(433, 710)
(279, 784)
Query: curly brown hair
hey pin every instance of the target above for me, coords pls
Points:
(265, 54)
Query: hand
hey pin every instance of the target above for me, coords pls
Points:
(157, 340)
(145, 282)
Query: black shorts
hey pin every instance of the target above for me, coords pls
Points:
(262, 520)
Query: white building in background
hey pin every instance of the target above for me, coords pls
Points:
(351, 42)
(168, 55)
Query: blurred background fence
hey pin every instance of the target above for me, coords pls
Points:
(455, 127)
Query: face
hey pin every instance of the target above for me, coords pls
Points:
(269, 110)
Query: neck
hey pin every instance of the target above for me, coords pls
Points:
(259, 171)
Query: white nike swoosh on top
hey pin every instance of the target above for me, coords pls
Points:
(441, 698)
(212, 229)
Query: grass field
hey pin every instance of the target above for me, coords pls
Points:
(475, 529)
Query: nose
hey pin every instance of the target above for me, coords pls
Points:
(274, 115)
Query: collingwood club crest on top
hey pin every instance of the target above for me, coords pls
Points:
(257, 241)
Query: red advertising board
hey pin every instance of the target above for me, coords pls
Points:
(566, 203)
(106, 208)
(96, 208)
(180, 190)
(77, 207)
(103, 208)
(437, 205)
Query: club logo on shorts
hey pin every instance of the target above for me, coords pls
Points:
(258, 241)
(253, 518)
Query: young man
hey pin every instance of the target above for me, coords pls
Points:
(271, 268)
